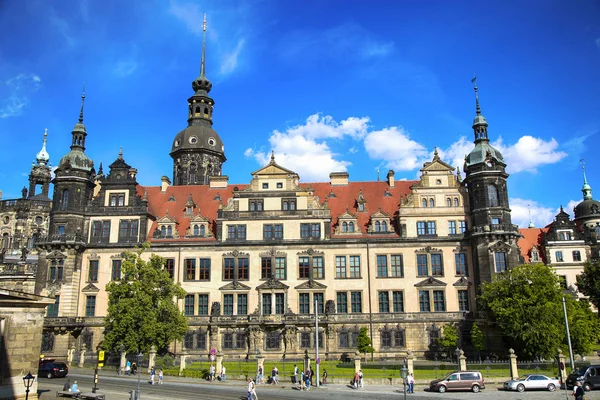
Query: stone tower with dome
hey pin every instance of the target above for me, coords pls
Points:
(494, 236)
(198, 151)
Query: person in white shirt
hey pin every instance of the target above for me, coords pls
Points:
(223, 376)
(251, 390)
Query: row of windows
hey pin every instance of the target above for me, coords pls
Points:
(429, 228)
(430, 202)
(559, 255)
(258, 204)
(128, 230)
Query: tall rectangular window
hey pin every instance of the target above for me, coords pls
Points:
(228, 269)
(303, 267)
(267, 231)
(202, 304)
(228, 304)
(342, 302)
(190, 269)
(354, 266)
(52, 310)
(93, 271)
(452, 227)
(424, 301)
(280, 268)
(315, 230)
(431, 228)
(439, 303)
(356, 302)
(115, 273)
(382, 271)
(242, 304)
(128, 229)
(204, 269)
(304, 231)
(318, 267)
(304, 303)
(340, 266)
(398, 299)
(397, 265)
(236, 232)
(384, 302)
(189, 303)
(90, 306)
(243, 269)
(319, 299)
(460, 259)
(500, 259)
(278, 233)
(106, 229)
(265, 267)
(437, 268)
(170, 267)
(279, 303)
(266, 304)
(462, 226)
(576, 255)
(559, 256)
(463, 300)
(421, 228)
(310, 231)
(422, 269)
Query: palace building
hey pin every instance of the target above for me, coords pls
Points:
(402, 258)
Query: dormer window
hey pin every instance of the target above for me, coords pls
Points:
(535, 256)
(564, 236)
(117, 199)
(361, 207)
(288, 204)
(256, 205)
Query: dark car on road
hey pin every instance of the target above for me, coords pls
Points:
(588, 375)
(53, 369)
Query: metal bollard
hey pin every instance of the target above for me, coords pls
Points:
(132, 394)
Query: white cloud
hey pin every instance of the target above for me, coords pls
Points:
(570, 206)
(124, 68)
(394, 147)
(230, 60)
(189, 14)
(529, 153)
(15, 92)
(540, 215)
(455, 154)
(318, 126)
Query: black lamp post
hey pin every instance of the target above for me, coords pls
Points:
(139, 360)
(404, 375)
(457, 352)
(28, 382)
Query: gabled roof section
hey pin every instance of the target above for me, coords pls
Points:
(429, 282)
(437, 164)
(273, 169)
(462, 282)
(272, 284)
(310, 285)
(347, 215)
(235, 285)
(380, 214)
(167, 219)
(531, 237)
(90, 288)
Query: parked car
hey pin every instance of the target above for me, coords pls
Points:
(53, 369)
(588, 375)
(532, 382)
(459, 380)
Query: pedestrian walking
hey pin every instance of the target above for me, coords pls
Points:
(160, 376)
(410, 380)
(360, 379)
(211, 373)
(259, 378)
(275, 376)
(251, 390)
(312, 373)
(128, 368)
(152, 375)
(579, 393)
(307, 379)
(355, 381)
(223, 373)
(324, 381)
(296, 374)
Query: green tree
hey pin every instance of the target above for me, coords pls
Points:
(448, 342)
(142, 308)
(526, 304)
(588, 282)
(364, 341)
(478, 339)
(584, 325)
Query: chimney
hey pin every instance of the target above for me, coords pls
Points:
(339, 178)
(390, 178)
(165, 182)
(218, 181)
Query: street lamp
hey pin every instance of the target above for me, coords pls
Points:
(457, 352)
(404, 375)
(28, 382)
(139, 368)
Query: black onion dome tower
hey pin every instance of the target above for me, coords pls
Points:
(198, 151)
(494, 237)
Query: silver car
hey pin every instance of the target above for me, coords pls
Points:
(532, 382)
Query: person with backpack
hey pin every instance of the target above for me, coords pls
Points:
(251, 390)
(579, 393)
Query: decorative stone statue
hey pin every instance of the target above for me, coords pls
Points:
(24, 253)
(24, 192)
(215, 309)
(329, 307)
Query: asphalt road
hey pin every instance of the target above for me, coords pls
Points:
(118, 388)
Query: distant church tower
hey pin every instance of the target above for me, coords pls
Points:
(198, 151)
(493, 234)
(40, 172)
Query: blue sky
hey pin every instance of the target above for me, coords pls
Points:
(327, 85)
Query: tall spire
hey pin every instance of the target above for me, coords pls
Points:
(531, 225)
(479, 123)
(43, 157)
(82, 103)
(203, 61)
(586, 189)
(79, 132)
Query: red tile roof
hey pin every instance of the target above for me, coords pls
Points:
(532, 237)
(207, 206)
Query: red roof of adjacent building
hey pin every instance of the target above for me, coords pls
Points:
(531, 237)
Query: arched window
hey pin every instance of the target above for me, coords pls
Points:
(285, 205)
(492, 195)
(202, 230)
(5, 240)
(192, 173)
(252, 206)
(377, 226)
(561, 236)
(64, 199)
(456, 202)
(206, 111)
(163, 230)
(196, 231)
(431, 203)
(351, 227)
(424, 203)
(344, 227)
(169, 230)
(448, 202)
(383, 226)
(292, 205)
(197, 109)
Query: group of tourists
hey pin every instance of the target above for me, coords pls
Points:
(153, 376)
(212, 373)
